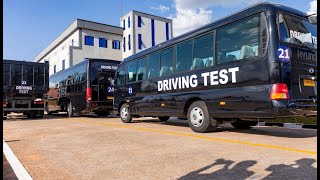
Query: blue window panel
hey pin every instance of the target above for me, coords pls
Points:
(129, 42)
(152, 32)
(139, 21)
(54, 69)
(128, 21)
(124, 44)
(116, 44)
(167, 31)
(102, 42)
(89, 40)
(124, 24)
(139, 41)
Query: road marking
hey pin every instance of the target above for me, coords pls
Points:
(197, 136)
(15, 164)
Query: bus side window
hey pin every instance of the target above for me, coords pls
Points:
(238, 40)
(141, 74)
(120, 76)
(154, 65)
(184, 56)
(166, 62)
(132, 71)
(203, 51)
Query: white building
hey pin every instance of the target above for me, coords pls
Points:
(87, 39)
(82, 39)
(142, 31)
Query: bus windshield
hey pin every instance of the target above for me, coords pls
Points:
(297, 30)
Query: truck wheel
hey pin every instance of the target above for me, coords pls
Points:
(31, 114)
(70, 109)
(125, 114)
(198, 117)
(41, 114)
(163, 118)
(244, 124)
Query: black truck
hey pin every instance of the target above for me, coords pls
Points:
(25, 85)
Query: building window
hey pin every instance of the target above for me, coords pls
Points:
(124, 24)
(103, 42)
(54, 69)
(115, 44)
(129, 43)
(89, 40)
(124, 44)
(167, 31)
(139, 21)
(128, 21)
(139, 41)
(152, 32)
(63, 64)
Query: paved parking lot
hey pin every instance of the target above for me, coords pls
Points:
(105, 148)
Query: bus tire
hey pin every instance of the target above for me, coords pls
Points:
(198, 117)
(163, 118)
(244, 124)
(125, 114)
(70, 109)
(41, 114)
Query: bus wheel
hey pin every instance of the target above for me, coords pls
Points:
(244, 124)
(125, 114)
(163, 118)
(70, 110)
(198, 117)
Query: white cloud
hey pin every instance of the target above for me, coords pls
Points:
(161, 8)
(313, 7)
(191, 14)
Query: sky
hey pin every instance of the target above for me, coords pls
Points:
(29, 26)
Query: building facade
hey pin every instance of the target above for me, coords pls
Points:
(82, 39)
(142, 31)
(86, 39)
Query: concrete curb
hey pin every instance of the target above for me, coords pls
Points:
(288, 125)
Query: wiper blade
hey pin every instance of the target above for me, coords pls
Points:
(302, 43)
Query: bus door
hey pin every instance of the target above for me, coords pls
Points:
(298, 56)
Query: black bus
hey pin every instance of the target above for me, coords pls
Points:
(258, 63)
(83, 88)
(25, 84)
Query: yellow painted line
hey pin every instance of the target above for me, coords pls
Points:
(197, 136)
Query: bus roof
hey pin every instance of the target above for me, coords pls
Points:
(255, 8)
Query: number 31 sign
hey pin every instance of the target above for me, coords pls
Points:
(283, 53)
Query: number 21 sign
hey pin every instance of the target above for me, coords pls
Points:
(283, 53)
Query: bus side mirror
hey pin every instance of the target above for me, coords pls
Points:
(312, 19)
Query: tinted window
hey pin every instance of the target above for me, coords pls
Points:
(89, 40)
(292, 27)
(166, 63)
(6, 74)
(184, 56)
(238, 40)
(141, 74)
(154, 65)
(18, 74)
(40, 76)
(203, 51)
(132, 71)
(120, 79)
(28, 75)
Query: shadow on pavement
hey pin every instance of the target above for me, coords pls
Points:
(265, 130)
(301, 169)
